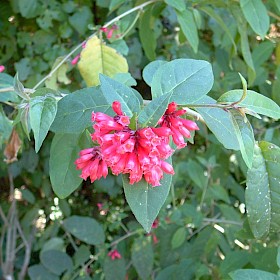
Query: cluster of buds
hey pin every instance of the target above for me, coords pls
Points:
(141, 153)
(114, 254)
(109, 30)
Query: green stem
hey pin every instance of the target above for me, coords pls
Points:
(140, 7)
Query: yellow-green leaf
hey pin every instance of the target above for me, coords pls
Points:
(97, 58)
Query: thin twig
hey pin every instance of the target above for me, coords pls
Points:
(140, 7)
(221, 221)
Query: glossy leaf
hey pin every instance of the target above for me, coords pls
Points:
(115, 91)
(152, 112)
(42, 113)
(56, 261)
(256, 14)
(252, 274)
(253, 101)
(188, 25)
(85, 229)
(147, 34)
(220, 123)
(261, 197)
(144, 200)
(186, 80)
(142, 256)
(63, 174)
(245, 136)
(98, 58)
(75, 109)
(114, 269)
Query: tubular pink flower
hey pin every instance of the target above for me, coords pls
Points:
(162, 131)
(167, 168)
(2, 68)
(75, 60)
(117, 108)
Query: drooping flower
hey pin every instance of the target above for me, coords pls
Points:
(114, 254)
(109, 30)
(179, 127)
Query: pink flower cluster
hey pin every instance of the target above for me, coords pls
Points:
(141, 153)
(114, 254)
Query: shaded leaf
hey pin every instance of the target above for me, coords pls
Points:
(98, 58)
(188, 25)
(261, 196)
(179, 5)
(178, 237)
(142, 256)
(256, 14)
(219, 122)
(39, 272)
(252, 274)
(56, 261)
(147, 34)
(12, 148)
(7, 81)
(63, 174)
(114, 269)
(245, 136)
(86, 229)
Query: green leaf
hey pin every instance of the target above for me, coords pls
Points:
(220, 123)
(179, 5)
(256, 14)
(54, 243)
(125, 78)
(98, 58)
(114, 269)
(63, 174)
(245, 136)
(81, 19)
(81, 255)
(183, 270)
(6, 126)
(7, 81)
(252, 274)
(115, 91)
(262, 52)
(19, 88)
(144, 200)
(75, 109)
(42, 113)
(59, 76)
(56, 261)
(178, 237)
(196, 173)
(188, 25)
(253, 101)
(142, 256)
(150, 70)
(28, 8)
(261, 196)
(211, 13)
(152, 112)
(245, 47)
(38, 272)
(147, 34)
(86, 229)
(187, 80)
(114, 4)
